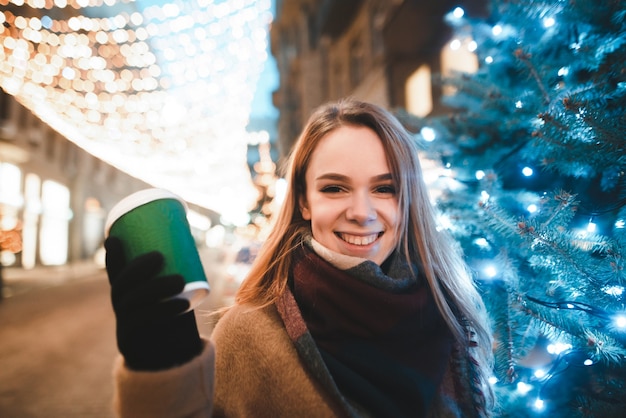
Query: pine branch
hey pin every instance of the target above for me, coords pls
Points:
(525, 59)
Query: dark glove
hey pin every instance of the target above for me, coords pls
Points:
(154, 330)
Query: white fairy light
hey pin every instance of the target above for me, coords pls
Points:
(428, 134)
(481, 242)
(523, 388)
(527, 171)
(591, 227)
(480, 174)
(490, 271)
(458, 12)
(548, 22)
(143, 81)
(455, 44)
(620, 321)
(558, 347)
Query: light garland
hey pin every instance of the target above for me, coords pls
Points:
(161, 90)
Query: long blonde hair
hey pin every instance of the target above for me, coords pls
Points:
(448, 277)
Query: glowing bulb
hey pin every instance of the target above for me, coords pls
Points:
(490, 272)
(458, 12)
(481, 242)
(620, 321)
(532, 208)
(548, 22)
(480, 174)
(588, 362)
(518, 104)
(455, 44)
(527, 171)
(558, 348)
(540, 373)
(428, 134)
(523, 388)
(563, 71)
(489, 59)
(591, 227)
(493, 380)
(496, 30)
(472, 46)
(539, 404)
(620, 223)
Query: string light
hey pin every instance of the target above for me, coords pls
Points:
(160, 91)
(458, 12)
(524, 388)
(548, 22)
(428, 134)
(591, 226)
(620, 321)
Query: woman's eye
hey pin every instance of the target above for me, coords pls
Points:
(330, 189)
(387, 189)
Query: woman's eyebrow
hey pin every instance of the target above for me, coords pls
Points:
(341, 177)
(332, 176)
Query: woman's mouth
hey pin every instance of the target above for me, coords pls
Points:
(361, 240)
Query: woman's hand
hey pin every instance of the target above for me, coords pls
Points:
(155, 329)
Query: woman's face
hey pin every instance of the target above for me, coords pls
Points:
(351, 196)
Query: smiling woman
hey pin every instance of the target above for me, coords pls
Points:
(356, 304)
(352, 205)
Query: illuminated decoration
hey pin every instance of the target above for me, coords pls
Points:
(159, 89)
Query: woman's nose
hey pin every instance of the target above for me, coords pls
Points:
(361, 209)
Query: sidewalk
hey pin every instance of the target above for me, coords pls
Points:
(18, 280)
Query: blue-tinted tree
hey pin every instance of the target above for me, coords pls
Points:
(535, 145)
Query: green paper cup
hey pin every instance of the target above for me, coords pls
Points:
(156, 219)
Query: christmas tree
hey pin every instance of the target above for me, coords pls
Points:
(534, 149)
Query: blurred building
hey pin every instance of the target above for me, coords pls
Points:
(382, 51)
(53, 193)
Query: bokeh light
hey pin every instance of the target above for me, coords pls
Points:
(159, 89)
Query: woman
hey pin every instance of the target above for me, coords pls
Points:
(355, 306)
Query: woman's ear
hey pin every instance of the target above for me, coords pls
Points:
(304, 209)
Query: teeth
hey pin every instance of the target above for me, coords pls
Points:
(359, 240)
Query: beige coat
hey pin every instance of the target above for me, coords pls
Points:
(250, 368)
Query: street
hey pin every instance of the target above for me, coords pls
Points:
(57, 346)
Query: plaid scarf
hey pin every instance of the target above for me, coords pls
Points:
(375, 340)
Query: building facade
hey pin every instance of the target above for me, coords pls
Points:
(382, 51)
(54, 196)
